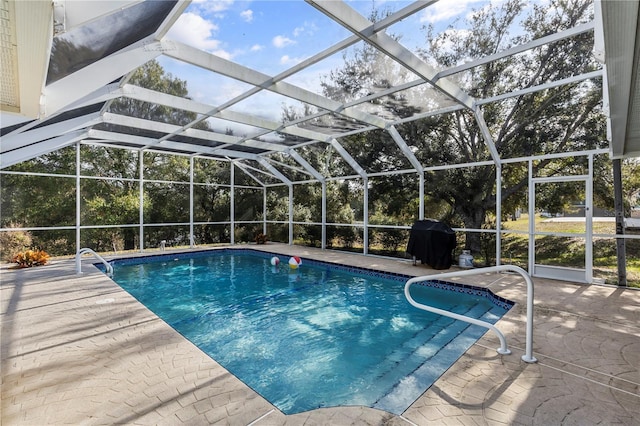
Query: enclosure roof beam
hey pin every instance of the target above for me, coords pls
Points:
(147, 95)
(245, 169)
(273, 170)
(25, 153)
(295, 168)
(151, 96)
(571, 32)
(348, 158)
(439, 111)
(83, 82)
(200, 134)
(238, 72)
(17, 140)
(304, 163)
(545, 86)
(405, 148)
(488, 139)
(102, 94)
(270, 125)
(356, 23)
(143, 142)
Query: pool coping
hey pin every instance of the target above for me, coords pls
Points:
(400, 277)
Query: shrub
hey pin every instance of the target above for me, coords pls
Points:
(13, 241)
(29, 258)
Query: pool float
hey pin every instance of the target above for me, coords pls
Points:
(294, 262)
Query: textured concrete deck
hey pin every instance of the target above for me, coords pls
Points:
(76, 349)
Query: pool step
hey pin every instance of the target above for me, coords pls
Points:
(414, 351)
(434, 348)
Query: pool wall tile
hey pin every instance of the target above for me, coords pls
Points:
(401, 278)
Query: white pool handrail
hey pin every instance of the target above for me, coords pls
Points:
(528, 356)
(82, 251)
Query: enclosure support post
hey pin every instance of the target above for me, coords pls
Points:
(191, 237)
(365, 214)
(498, 214)
(290, 214)
(532, 217)
(324, 215)
(78, 196)
(588, 217)
(141, 201)
(232, 212)
(264, 210)
(421, 195)
(619, 208)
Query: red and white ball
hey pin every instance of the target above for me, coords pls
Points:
(294, 262)
(275, 260)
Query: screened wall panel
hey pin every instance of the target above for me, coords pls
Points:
(109, 202)
(38, 201)
(211, 203)
(166, 202)
(111, 240)
(211, 234)
(173, 236)
(166, 167)
(103, 161)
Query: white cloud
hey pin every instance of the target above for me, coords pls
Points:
(195, 31)
(213, 6)
(256, 47)
(223, 54)
(288, 60)
(445, 9)
(285, 60)
(308, 28)
(282, 41)
(247, 15)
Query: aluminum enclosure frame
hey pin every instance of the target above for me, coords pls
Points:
(107, 79)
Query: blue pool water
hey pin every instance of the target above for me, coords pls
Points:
(317, 336)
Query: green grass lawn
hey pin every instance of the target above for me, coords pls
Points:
(546, 225)
(570, 251)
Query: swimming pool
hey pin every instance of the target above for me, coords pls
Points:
(317, 336)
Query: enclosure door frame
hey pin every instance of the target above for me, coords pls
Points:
(562, 272)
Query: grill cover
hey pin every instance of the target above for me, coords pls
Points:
(433, 243)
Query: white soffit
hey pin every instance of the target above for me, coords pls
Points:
(621, 53)
(26, 40)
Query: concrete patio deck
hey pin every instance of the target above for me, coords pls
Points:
(76, 349)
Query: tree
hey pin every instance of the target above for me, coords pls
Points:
(558, 119)
(566, 118)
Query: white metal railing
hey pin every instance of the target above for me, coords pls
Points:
(528, 355)
(100, 258)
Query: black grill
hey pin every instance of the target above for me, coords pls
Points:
(433, 243)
